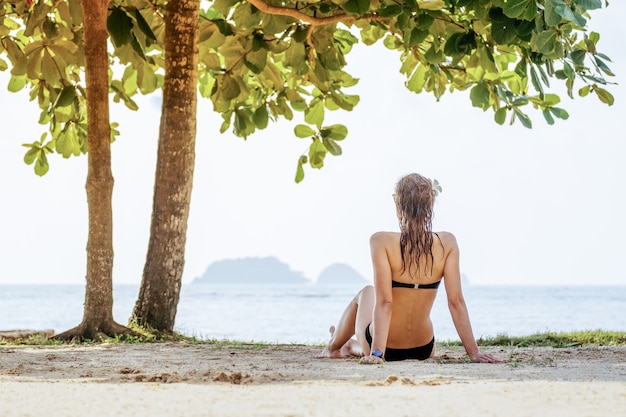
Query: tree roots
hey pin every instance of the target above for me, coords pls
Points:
(96, 332)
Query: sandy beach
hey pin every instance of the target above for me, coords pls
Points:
(181, 378)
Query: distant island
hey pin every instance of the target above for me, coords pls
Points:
(267, 270)
(340, 273)
(270, 270)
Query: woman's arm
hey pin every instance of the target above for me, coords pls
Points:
(456, 302)
(383, 302)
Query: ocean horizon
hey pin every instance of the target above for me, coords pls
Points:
(302, 313)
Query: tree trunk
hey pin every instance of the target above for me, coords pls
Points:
(160, 286)
(98, 313)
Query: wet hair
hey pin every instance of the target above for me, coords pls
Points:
(414, 199)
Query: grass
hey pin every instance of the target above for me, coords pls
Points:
(552, 339)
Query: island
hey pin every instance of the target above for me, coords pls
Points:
(251, 270)
(341, 274)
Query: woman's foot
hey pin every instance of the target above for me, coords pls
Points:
(349, 349)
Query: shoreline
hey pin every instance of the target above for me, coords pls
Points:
(182, 378)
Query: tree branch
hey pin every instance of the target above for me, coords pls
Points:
(312, 20)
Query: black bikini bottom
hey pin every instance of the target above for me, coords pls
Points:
(421, 352)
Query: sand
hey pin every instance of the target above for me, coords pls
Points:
(180, 378)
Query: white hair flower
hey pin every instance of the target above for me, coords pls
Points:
(436, 187)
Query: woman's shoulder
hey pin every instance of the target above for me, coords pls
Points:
(447, 239)
(384, 237)
(446, 236)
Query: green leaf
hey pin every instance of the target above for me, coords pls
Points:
(314, 115)
(521, 68)
(276, 24)
(335, 132)
(317, 153)
(31, 155)
(134, 43)
(261, 117)
(526, 122)
(516, 8)
(560, 113)
(431, 4)
(460, 43)
(66, 97)
(578, 57)
(564, 10)
(67, 142)
(144, 26)
(551, 17)
(548, 116)
(357, 6)
(229, 87)
(388, 11)
(434, 55)
(303, 131)
(417, 36)
(502, 27)
(242, 126)
(16, 83)
(545, 42)
(256, 61)
(332, 146)
(41, 166)
(331, 59)
(584, 91)
(603, 95)
(49, 69)
(589, 4)
(535, 80)
(119, 25)
(569, 71)
(147, 80)
(603, 67)
(418, 79)
(295, 55)
(300, 170)
(500, 115)
(480, 95)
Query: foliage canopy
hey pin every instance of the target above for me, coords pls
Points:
(260, 60)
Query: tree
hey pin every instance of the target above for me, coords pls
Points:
(160, 287)
(265, 59)
(42, 61)
(98, 314)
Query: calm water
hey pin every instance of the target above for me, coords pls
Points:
(302, 314)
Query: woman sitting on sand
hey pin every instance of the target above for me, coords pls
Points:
(391, 320)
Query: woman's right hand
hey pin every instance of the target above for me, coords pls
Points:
(480, 357)
(370, 360)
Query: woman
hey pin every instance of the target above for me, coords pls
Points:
(391, 320)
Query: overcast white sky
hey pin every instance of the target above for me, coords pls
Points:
(540, 206)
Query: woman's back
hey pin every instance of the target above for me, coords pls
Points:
(410, 320)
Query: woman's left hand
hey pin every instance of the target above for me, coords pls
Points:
(480, 357)
(370, 360)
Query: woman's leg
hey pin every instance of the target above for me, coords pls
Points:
(356, 316)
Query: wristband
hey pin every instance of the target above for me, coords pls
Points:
(377, 353)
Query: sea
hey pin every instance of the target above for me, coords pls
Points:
(302, 314)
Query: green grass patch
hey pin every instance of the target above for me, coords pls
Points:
(554, 339)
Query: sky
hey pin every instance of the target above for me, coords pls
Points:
(528, 207)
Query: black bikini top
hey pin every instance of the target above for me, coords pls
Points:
(433, 286)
